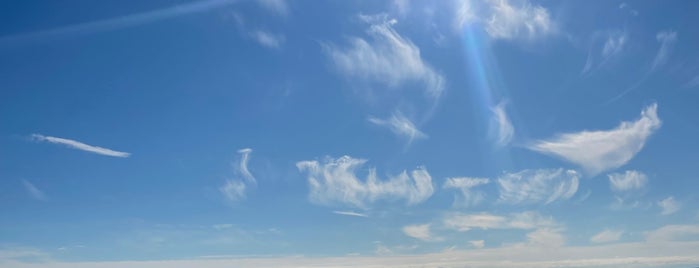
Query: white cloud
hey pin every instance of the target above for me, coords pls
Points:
(268, 39)
(79, 145)
(387, 58)
(350, 213)
(667, 41)
(539, 185)
(669, 206)
(421, 232)
(506, 19)
(630, 180)
(505, 130)
(33, 191)
(477, 243)
(606, 236)
(234, 189)
(613, 47)
(401, 126)
(222, 226)
(673, 233)
(335, 182)
(546, 238)
(598, 151)
(277, 6)
(467, 197)
(524, 220)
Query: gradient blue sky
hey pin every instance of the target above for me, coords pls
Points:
(219, 133)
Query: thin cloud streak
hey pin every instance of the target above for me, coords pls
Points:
(351, 213)
(80, 146)
(119, 22)
(33, 191)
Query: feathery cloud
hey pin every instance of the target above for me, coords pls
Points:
(606, 236)
(79, 145)
(505, 130)
(506, 19)
(421, 232)
(34, 191)
(401, 126)
(234, 189)
(538, 185)
(267, 39)
(669, 206)
(667, 40)
(467, 197)
(598, 151)
(386, 57)
(334, 182)
(630, 180)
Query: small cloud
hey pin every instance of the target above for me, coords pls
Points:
(401, 126)
(279, 7)
(630, 180)
(222, 226)
(269, 40)
(505, 130)
(669, 206)
(79, 145)
(477, 243)
(350, 213)
(33, 191)
(506, 19)
(598, 151)
(234, 189)
(546, 237)
(606, 236)
(467, 197)
(539, 185)
(421, 232)
(523, 221)
(667, 40)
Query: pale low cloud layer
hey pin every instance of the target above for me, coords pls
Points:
(601, 150)
(234, 189)
(335, 182)
(627, 181)
(606, 236)
(669, 206)
(466, 196)
(79, 146)
(463, 222)
(538, 186)
(506, 19)
(386, 57)
(401, 126)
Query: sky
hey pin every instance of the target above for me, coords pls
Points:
(280, 133)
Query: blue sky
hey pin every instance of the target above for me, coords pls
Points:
(275, 133)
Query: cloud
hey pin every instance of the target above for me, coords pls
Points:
(126, 21)
(477, 243)
(79, 145)
(386, 57)
(334, 182)
(524, 220)
(546, 237)
(538, 185)
(400, 125)
(598, 151)
(466, 197)
(267, 39)
(669, 206)
(673, 233)
(33, 191)
(606, 236)
(277, 6)
(667, 41)
(630, 180)
(614, 45)
(421, 232)
(234, 189)
(222, 226)
(506, 19)
(505, 130)
(350, 213)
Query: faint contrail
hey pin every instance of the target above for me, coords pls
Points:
(119, 22)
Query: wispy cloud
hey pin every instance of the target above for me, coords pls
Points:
(538, 185)
(606, 236)
(667, 40)
(126, 21)
(234, 189)
(386, 57)
(33, 191)
(506, 19)
(421, 232)
(268, 39)
(505, 130)
(630, 180)
(350, 213)
(546, 238)
(79, 145)
(524, 220)
(598, 151)
(466, 197)
(615, 43)
(673, 233)
(334, 182)
(477, 243)
(279, 7)
(401, 126)
(669, 206)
